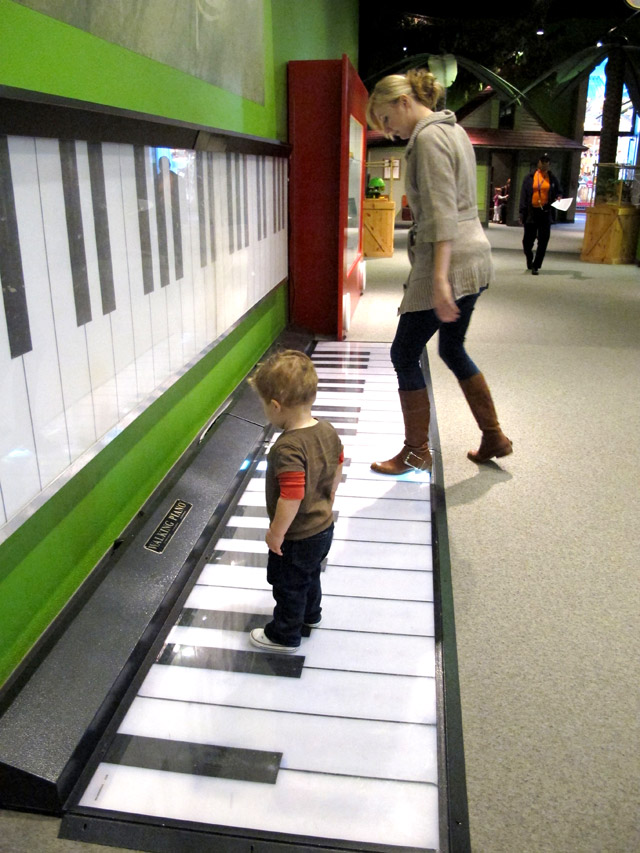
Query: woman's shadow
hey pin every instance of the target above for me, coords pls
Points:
(467, 491)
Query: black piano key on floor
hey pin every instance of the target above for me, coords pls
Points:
(254, 511)
(14, 295)
(233, 660)
(202, 222)
(144, 226)
(161, 222)
(75, 230)
(196, 759)
(225, 620)
(212, 224)
(101, 226)
(254, 534)
(240, 558)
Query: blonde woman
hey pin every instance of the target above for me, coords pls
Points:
(450, 262)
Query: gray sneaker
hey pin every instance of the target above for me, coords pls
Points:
(258, 638)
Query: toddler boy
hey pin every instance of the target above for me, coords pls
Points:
(304, 467)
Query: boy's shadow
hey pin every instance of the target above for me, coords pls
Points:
(467, 491)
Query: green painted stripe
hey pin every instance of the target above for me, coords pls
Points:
(42, 54)
(44, 562)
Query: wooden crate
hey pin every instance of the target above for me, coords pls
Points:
(378, 224)
(611, 234)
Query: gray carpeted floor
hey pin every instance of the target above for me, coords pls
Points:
(545, 547)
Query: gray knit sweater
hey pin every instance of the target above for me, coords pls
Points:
(441, 191)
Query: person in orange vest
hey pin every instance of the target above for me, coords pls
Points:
(539, 191)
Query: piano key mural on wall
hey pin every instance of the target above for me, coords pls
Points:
(119, 264)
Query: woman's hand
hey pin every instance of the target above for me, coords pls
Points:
(446, 309)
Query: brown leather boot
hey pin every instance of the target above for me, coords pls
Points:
(494, 442)
(415, 453)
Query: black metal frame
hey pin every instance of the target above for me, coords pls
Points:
(452, 785)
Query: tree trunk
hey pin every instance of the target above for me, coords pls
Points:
(610, 122)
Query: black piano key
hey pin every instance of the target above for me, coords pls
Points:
(161, 222)
(224, 620)
(212, 225)
(101, 224)
(245, 199)
(230, 201)
(240, 558)
(202, 223)
(196, 759)
(11, 272)
(75, 231)
(233, 660)
(174, 185)
(143, 218)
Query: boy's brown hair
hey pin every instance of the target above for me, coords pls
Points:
(287, 376)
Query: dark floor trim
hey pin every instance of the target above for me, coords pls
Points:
(134, 832)
(452, 786)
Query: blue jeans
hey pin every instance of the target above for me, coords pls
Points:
(295, 578)
(416, 328)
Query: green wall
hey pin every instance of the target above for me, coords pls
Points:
(44, 55)
(320, 29)
(50, 555)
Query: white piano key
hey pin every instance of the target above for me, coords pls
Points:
(380, 555)
(71, 339)
(408, 486)
(348, 651)
(19, 475)
(383, 530)
(337, 580)
(41, 364)
(185, 178)
(122, 328)
(173, 290)
(400, 751)
(377, 583)
(100, 345)
(196, 245)
(139, 303)
(254, 522)
(224, 574)
(369, 615)
(409, 817)
(332, 693)
(408, 510)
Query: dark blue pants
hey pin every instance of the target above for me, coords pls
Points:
(537, 227)
(416, 328)
(295, 578)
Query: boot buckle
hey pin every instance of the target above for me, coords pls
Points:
(418, 463)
